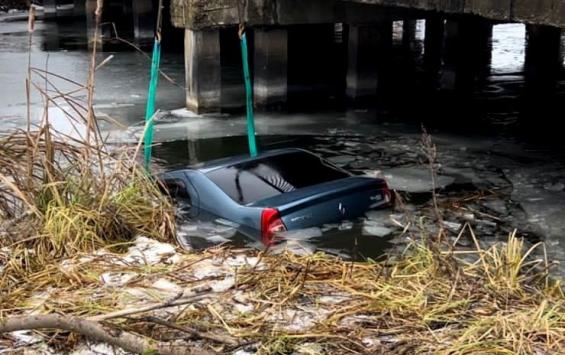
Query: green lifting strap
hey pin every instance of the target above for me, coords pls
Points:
(150, 109)
(152, 91)
(249, 97)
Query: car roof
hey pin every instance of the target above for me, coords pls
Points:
(216, 164)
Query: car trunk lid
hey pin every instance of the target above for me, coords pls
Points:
(328, 202)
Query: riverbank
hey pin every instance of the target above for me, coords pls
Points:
(430, 298)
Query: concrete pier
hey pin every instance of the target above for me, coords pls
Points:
(543, 58)
(270, 67)
(433, 49)
(541, 110)
(144, 20)
(467, 53)
(50, 9)
(203, 70)
(367, 46)
(456, 58)
(408, 33)
(79, 9)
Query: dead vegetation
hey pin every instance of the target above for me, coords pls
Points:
(429, 299)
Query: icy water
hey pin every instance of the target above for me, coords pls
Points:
(507, 180)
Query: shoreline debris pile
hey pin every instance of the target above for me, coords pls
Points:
(429, 299)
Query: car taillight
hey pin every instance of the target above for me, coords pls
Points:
(271, 223)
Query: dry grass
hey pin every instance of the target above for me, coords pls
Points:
(426, 300)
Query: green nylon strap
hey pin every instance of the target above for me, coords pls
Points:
(150, 109)
(249, 98)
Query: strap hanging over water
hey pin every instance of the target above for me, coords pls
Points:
(152, 92)
(248, 93)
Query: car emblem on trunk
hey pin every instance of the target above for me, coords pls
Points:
(341, 209)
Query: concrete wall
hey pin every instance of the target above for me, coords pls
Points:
(198, 14)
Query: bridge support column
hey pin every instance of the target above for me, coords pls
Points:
(408, 33)
(541, 108)
(367, 44)
(467, 53)
(79, 9)
(270, 85)
(50, 9)
(143, 20)
(203, 70)
(543, 58)
(433, 46)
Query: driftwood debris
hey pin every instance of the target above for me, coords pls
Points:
(97, 332)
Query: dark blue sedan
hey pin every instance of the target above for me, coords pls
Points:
(276, 191)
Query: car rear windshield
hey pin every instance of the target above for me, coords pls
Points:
(271, 176)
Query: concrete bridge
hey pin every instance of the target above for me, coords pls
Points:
(197, 14)
(343, 45)
(457, 41)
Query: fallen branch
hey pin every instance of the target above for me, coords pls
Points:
(217, 338)
(131, 311)
(96, 332)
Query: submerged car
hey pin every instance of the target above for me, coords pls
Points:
(275, 191)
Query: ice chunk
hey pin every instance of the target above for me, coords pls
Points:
(301, 234)
(217, 239)
(223, 285)
(244, 308)
(309, 348)
(98, 348)
(376, 230)
(380, 216)
(345, 225)
(167, 286)
(342, 159)
(149, 251)
(414, 179)
(295, 247)
(117, 279)
(329, 227)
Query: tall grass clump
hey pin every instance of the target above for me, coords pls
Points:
(66, 191)
(65, 205)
